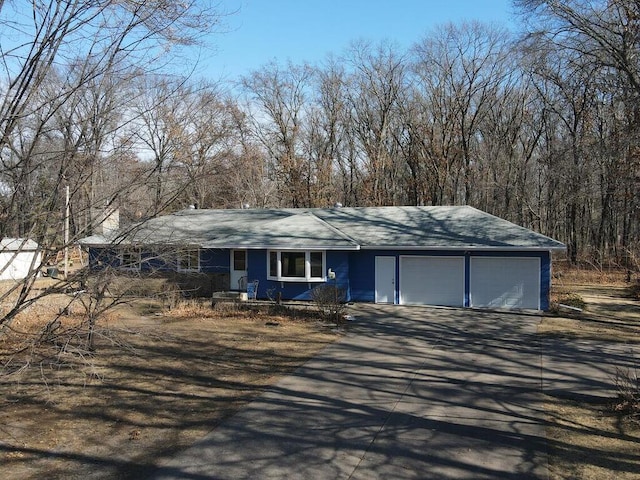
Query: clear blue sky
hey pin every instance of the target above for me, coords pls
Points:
(308, 30)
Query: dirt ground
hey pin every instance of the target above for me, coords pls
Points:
(156, 382)
(593, 441)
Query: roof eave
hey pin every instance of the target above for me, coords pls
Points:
(285, 247)
(469, 247)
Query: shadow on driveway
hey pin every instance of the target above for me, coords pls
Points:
(410, 392)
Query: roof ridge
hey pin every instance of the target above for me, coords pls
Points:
(335, 229)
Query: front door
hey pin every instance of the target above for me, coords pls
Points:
(238, 278)
(385, 280)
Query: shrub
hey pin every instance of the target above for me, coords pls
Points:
(572, 300)
(627, 385)
(330, 300)
(634, 289)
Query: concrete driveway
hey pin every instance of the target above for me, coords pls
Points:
(410, 392)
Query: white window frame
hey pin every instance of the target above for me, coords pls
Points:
(136, 258)
(186, 254)
(307, 266)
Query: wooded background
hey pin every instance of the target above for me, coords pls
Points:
(539, 126)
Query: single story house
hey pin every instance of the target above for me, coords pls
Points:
(18, 257)
(455, 256)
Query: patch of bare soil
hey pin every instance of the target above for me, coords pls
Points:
(593, 441)
(154, 385)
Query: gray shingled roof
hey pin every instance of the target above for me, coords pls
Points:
(298, 230)
(438, 228)
(458, 227)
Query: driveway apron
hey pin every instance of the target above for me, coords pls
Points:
(409, 392)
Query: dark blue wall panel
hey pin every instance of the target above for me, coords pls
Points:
(215, 261)
(362, 273)
(100, 258)
(545, 280)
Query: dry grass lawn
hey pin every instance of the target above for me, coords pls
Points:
(157, 382)
(593, 441)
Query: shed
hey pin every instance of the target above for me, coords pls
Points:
(18, 257)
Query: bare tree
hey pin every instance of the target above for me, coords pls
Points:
(507, 171)
(374, 88)
(461, 68)
(204, 147)
(155, 123)
(602, 40)
(62, 108)
(332, 174)
(279, 96)
(248, 176)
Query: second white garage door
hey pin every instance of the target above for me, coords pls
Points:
(432, 281)
(500, 282)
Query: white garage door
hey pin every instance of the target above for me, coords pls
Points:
(505, 282)
(432, 281)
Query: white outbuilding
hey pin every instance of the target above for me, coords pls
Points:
(18, 257)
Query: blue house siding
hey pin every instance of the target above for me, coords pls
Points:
(545, 280)
(211, 261)
(339, 263)
(154, 262)
(355, 270)
(214, 261)
(257, 270)
(362, 272)
(100, 258)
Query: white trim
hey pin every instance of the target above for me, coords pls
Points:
(307, 266)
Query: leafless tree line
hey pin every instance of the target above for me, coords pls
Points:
(538, 126)
(72, 75)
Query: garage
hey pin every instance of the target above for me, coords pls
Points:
(432, 281)
(505, 282)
